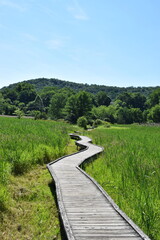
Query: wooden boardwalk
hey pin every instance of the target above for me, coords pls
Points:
(86, 209)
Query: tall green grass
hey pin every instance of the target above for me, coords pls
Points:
(25, 143)
(129, 170)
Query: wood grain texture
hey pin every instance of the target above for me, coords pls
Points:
(86, 209)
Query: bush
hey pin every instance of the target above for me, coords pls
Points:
(82, 122)
(106, 124)
(40, 115)
(19, 113)
(97, 122)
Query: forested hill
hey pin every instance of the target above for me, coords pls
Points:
(56, 99)
(111, 91)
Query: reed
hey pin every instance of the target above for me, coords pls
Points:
(129, 170)
(25, 143)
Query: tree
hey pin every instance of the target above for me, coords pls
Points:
(102, 99)
(26, 92)
(47, 94)
(154, 114)
(10, 93)
(37, 104)
(104, 113)
(8, 107)
(124, 116)
(133, 100)
(71, 109)
(154, 98)
(57, 105)
(145, 115)
(1, 104)
(84, 103)
(138, 101)
(118, 103)
(137, 115)
(126, 98)
(78, 105)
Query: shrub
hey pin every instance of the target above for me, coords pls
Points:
(82, 122)
(106, 124)
(97, 122)
(40, 115)
(19, 113)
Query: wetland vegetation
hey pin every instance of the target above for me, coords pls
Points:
(129, 170)
(27, 196)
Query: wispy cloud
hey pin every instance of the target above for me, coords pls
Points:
(77, 11)
(12, 4)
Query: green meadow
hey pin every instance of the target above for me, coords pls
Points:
(27, 198)
(129, 170)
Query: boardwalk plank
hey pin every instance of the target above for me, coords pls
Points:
(87, 211)
(110, 238)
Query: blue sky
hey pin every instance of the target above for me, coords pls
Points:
(105, 42)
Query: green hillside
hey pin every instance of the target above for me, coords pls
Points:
(112, 91)
(52, 98)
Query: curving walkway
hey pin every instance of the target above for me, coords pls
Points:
(86, 209)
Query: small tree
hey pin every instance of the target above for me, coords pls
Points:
(19, 113)
(82, 122)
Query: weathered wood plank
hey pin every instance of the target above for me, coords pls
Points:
(111, 238)
(100, 227)
(108, 235)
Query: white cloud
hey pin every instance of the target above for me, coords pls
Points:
(77, 11)
(12, 4)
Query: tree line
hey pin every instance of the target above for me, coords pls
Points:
(112, 91)
(71, 104)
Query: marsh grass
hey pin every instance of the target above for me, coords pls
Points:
(32, 213)
(129, 170)
(27, 194)
(24, 143)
